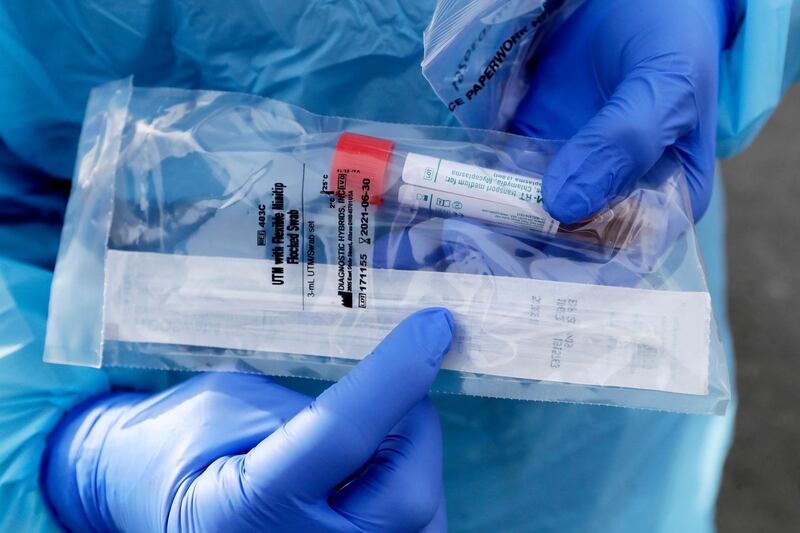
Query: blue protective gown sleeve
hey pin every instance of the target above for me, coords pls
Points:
(760, 63)
(338, 58)
(33, 396)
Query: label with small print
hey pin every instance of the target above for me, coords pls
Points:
(516, 199)
(456, 205)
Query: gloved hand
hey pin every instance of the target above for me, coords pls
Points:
(624, 80)
(238, 452)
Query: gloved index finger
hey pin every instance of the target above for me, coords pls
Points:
(331, 439)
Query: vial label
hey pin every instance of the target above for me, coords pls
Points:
(455, 205)
(523, 193)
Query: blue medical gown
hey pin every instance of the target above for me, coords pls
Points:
(508, 465)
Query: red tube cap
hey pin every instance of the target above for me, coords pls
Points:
(358, 158)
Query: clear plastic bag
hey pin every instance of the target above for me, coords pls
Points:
(222, 231)
(476, 52)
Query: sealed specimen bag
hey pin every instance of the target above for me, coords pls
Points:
(221, 231)
(477, 53)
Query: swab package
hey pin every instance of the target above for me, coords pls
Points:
(221, 231)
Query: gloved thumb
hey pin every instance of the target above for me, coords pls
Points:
(338, 433)
(650, 110)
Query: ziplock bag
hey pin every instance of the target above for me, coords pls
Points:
(222, 231)
(476, 52)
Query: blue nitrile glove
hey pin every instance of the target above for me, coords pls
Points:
(238, 452)
(624, 80)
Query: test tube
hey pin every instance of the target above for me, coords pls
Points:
(445, 188)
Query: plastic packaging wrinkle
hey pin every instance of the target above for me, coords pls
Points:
(223, 231)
